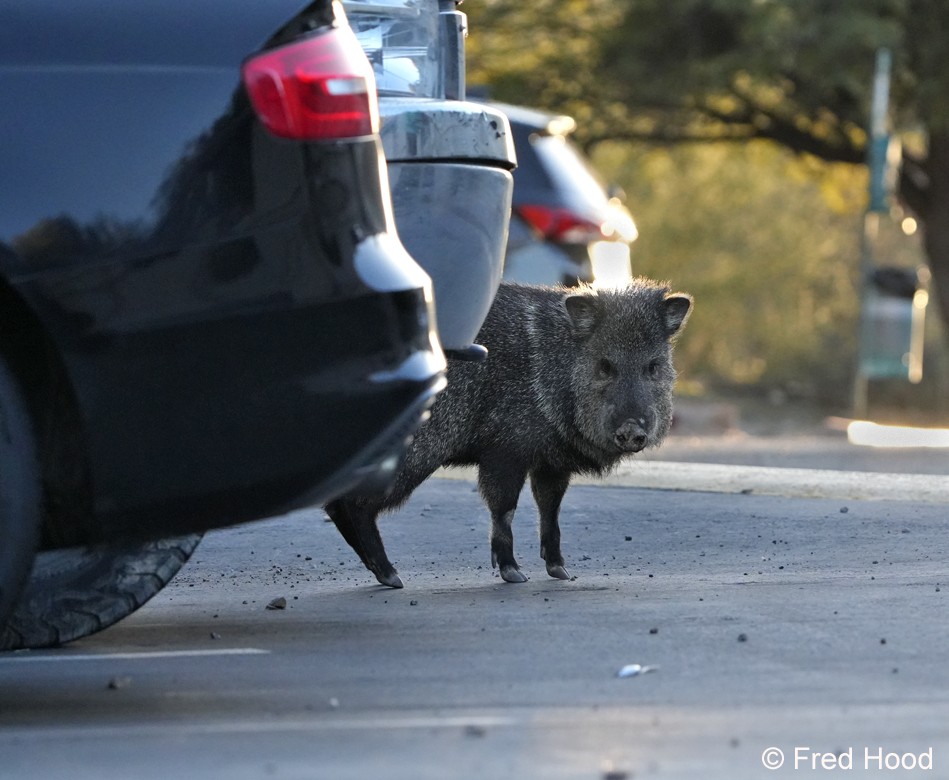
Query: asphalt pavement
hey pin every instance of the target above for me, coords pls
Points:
(757, 616)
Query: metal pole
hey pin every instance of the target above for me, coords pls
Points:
(861, 385)
(876, 161)
(454, 30)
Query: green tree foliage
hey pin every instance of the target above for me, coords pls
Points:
(543, 53)
(795, 72)
(773, 275)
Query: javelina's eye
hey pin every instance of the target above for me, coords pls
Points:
(652, 369)
(605, 369)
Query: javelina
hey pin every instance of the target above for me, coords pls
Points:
(574, 380)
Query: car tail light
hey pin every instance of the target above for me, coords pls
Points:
(561, 225)
(317, 88)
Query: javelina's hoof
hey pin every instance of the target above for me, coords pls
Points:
(512, 574)
(557, 572)
(392, 580)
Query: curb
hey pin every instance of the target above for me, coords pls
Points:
(758, 480)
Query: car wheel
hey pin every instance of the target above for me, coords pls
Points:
(20, 492)
(77, 591)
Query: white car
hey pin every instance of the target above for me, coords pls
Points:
(566, 226)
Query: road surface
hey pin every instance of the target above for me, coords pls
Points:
(813, 626)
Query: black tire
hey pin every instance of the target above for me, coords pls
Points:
(74, 592)
(21, 508)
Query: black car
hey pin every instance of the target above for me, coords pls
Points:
(207, 316)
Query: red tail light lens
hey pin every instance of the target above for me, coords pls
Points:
(560, 225)
(318, 88)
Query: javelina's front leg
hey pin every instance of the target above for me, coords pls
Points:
(548, 488)
(356, 520)
(500, 487)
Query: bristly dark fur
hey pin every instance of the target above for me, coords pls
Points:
(574, 381)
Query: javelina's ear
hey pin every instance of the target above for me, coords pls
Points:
(584, 313)
(676, 308)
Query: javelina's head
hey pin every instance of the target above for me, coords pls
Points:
(623, 375)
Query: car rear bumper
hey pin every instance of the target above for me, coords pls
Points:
(449, 166)
(370, 471)
(373, 470)
(299, 441)
(452, 218)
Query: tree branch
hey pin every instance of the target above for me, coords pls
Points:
(766, 123)
(666, 135)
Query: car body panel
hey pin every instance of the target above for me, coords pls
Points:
(449, 169)
(529, 261)
(197, 276)
(459, 244)
(427, 128)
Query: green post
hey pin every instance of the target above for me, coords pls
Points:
(877, 164)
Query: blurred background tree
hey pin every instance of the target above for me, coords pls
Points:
(670, 95)
(773, 275)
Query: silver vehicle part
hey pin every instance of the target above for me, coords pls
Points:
(464, 284)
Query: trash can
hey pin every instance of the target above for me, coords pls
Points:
(893, 318)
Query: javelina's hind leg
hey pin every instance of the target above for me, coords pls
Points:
(339, 514)
(500, 490)
(356, 520)
(548, 488)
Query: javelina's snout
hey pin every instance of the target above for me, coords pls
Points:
(632, 435)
